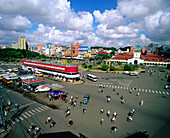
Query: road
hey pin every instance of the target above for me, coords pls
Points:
(153, 116)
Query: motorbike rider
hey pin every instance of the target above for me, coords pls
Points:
(108, 113)
(115, 114)
(52, 123)
(48, 119)
(129, 118)
(108, 100)
(70, 123)
(101, 110)
(113, 129)
(113, 119)
(123, 101)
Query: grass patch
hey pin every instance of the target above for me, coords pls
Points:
(164, 69)
(96, 69)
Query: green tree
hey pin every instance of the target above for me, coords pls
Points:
(119, 63)
(99, 62)
(105, 67)
(90, 66)
(85, 66)
(112, 68)
(128, 67)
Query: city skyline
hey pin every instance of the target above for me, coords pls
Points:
(116, 23)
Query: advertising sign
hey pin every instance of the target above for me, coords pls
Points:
(84, 48)
(51, 66)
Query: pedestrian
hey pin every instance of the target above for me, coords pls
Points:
(137, 94)
(99, 91)
(101, 122)
(101, 110)
(81, 103)
(49, 97)
(70, 123)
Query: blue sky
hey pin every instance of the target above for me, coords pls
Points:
(108, 23)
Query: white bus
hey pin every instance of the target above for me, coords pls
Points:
(92, 77)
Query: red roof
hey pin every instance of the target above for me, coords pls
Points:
(123, 57)
(102, 52)
(153, 57)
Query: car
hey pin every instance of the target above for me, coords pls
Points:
(86, 99)
(167, 86)
(126, 72)
(39, 74)
(42, 88)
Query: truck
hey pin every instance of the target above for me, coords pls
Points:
(42, 88)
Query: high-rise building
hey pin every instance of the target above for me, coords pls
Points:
(15, 45)
(22, 43)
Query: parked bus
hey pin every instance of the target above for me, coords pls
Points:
(92, 77)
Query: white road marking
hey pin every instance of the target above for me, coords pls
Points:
(96, 84)
(139, 89)
(142, 89)
(121, 87)
(45, 106)
(124, 87)
(167, 93)
(115, 86)
(156, 91)
(118, 87)
(24, 116)
(163, 92)
(31, 112)
(149, 90)
(34, 111)
(37, 110)
(145, 90)
(21, 118)
(16, 119)
(13, 122)
(40, 109)
(160, 92)
(110, 86)
(129, 83)
(127, 88)
(23, 106)
(106, 85)
(28, 114)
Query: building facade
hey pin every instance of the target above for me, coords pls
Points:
(22, 43)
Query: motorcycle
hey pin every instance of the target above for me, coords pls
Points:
(113, 129)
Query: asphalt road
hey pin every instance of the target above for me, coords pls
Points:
(153, 116)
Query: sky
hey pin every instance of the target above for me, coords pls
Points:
(108, 23)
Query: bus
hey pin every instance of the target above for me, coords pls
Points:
(92, 77)
(39, 74)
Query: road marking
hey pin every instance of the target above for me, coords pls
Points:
(163, 92)
(24, 116)
(37, 110)
(121, 87)
(96, 84)
(45, 106)
(23, 106)
(110, 86)
(115, 86)
(34, 111)
(31, 112)
(13, 122)
(127, 88)
(21, 118)
(16, 119)
(139, 89)
(28, 114)
(124, 87)
(118, 87)
(91, 84)
(106, 85)
(142, 89)
(40, 109)
(149, 90)
(129, 83)
(145, 90)
(160, 92)
(156, 91)
(167, 93)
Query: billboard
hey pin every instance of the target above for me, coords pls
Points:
(84, 48)
(51, 66)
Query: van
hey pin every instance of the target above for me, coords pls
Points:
(42, 88)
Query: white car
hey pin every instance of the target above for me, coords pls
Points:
(134, 73)
(42, 88)
(126, 72)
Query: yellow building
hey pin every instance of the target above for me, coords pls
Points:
(22, 43)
